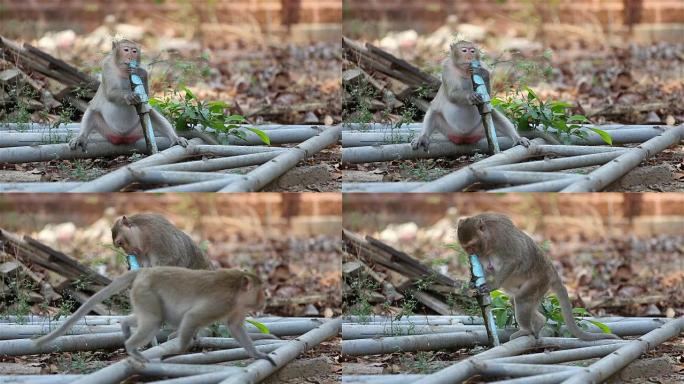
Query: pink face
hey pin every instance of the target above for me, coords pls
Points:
(128, 52)
(463, 54)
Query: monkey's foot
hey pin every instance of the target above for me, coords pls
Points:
(182, 141)
(521, 333)
(524, 141)
(78, 142)
(136, 356)
(138, 361)
(420, 142)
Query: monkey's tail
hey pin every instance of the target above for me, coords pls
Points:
(119, 284)
(560, 291)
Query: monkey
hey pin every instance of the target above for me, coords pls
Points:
(183, 298)
(112, 110)
(515, 263)
(453, 111)
(156, 242)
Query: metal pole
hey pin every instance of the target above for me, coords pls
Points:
(143, 109)
(485, 108)
(477, 277)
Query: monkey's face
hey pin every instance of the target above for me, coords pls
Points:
(127, 52)
(463, 52)
(471, 235)
(127, 237)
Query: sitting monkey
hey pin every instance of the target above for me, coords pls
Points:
(453, 112)
(112, 111)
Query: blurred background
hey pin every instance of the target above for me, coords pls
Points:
(615, 60)
(290, 240)
(619, 253)
(271, 60)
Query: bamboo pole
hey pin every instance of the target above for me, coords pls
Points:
(19, 347)
(624, 136)
(261, 369)
(390, 152)
(519, 177)
(219, 164)
(607, 366)
(460, 179)
(53, 187)
(215, 357)
(605, 175)
(542, 186)
(123, 176)
(550, 165)
(146, 176)
(464, 369)
(28, 154)
(264, 174)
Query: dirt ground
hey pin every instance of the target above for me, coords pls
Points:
(663, 172)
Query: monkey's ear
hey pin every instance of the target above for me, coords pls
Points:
(125, 221)
(114, 44)
(245, 283)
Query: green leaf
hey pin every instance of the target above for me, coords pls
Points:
(264, 138)
(601, 326)
(578, 118)
(262, 328)
(188, 94)
(236, 119)
(605, 136)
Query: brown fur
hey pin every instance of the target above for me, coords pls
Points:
(453, 111)
(514, 262)
(182, 298)
(156, 242)
(112, 111)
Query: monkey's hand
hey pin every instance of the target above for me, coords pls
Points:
(524, 141)
(182, 141)
(261, 355)
(475, 98)
(78, 142)
(132, 98)
(421, 142)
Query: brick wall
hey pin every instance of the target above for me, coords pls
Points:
(302, 214)
(590, 214)
(84, 15)
(430, 14)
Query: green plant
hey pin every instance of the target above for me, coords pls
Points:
(20, 287)
(361, 292)
(420, 363)
(187, 112)
(529, 112)
(423, 169)
(79, 169)
(66, 308)
(502, 309)
(79, 362)
(551, 309)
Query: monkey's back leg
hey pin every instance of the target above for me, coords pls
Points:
(526, 304)
(191, 322)
(92, 120)
(148, 313)
(161, 125)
